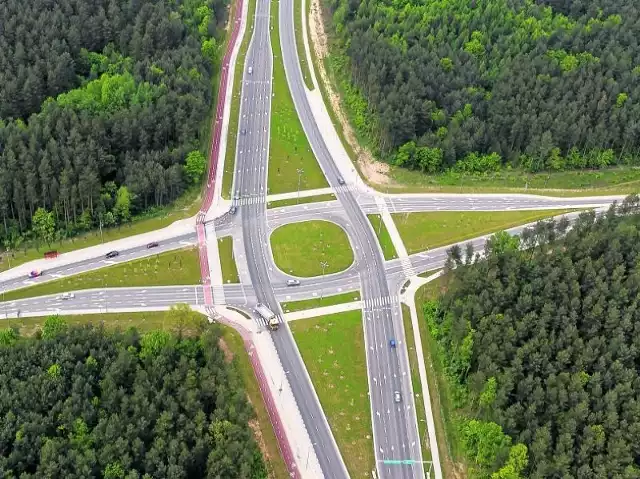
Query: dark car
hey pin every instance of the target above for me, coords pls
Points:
(244, 131)
(233, 210)
(152, 245)
(341, 180)
(112, 254)
(392, 343)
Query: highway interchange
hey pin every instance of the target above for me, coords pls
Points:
(395, 428)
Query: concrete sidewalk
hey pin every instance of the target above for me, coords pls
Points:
(323, 311)
(302, 194)
(408, 297)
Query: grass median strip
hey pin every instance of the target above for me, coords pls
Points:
(291, 306)
(422, 231)
(300, 201)
(227, 261)
(302, 55)
(185, 207)
(289, 148)
(388, 250)
(231, 342)
(311, 248)
(234, 110)
(332, 348)
(164, 269)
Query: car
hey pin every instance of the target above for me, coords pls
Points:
(35, 273)
(233, 210)
(153, 244)
(340, 180)
(243, 131)
(397, 397)
(112, 254)
(66, 296)
(293, 282)
(392, 343)
(250, 70)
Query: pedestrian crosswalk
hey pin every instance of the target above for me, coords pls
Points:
(250, 200)
(407, 268)
(218, 295)
(380, 302)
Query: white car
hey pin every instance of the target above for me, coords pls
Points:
(397, 397)
(66, 296)
(293, 282)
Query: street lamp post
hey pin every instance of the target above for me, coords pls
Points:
(300, 173)
(323, 265)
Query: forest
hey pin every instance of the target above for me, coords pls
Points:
(102, 107)
(541, 347)
(81, 402)
(473, 86)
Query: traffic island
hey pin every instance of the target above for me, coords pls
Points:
(311, 248)
(332, 348)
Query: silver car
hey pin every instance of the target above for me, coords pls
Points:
(397, 397)
(293, 282)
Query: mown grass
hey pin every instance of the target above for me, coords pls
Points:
(234, 110)
(300, 248)
(300, 201)
(297, 24)
(332, 348)
(451, 455)
(185, 207)
(421, 414)
(320, 302)
(227, 261)
(164, 269)
(233, 343)
(289, 148)
(384, 238)
(421, 231)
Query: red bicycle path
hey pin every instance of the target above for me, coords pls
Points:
(214, 153)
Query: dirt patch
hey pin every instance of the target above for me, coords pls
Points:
(228, 355)
(374, 171)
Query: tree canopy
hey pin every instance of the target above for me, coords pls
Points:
(99, 95)
(541, 341)
(82, 402)
(543, 85)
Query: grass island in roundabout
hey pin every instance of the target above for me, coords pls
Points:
(304, 248)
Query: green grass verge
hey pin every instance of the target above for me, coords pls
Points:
(416, 384)
(319, 302)
(332, 348)
(301, 248)
(185, 207)
(451, 453)
(289, 147)
(300, 201)
(164, 269)
(388, 250)
(234, 111)
(232, 343)
(420, 231)
(227, 261)
(297, 25)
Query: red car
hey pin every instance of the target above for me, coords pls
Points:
(35, 273)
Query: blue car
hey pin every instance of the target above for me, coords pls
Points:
(392, 343)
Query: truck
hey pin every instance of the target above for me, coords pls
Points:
(268, 315)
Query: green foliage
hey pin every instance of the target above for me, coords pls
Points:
(447, 64)
(502, 242)
(475, 163)
(153, 343)
(122, 208)
(210, 50)
(53, 326)
(44, 225)
(8, 336)
(621, 100)
(540, 326)
(475, 46)
(182, 414)
(569, 62)
(195, 166)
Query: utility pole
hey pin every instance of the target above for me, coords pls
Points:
(101, 236)
(323, 265)
(380, 225)
(300, 173)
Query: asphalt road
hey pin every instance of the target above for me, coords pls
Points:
(99, 262)
(395, 427)
(249, 190)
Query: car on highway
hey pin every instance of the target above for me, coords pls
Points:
(111, 254)
(35, 273)
(250, 70)
(65, 296)
(153, 244)
(341, 180)
(397, 397)
(233, 210)
(392, 343)
(293, 282)
(243, 131)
